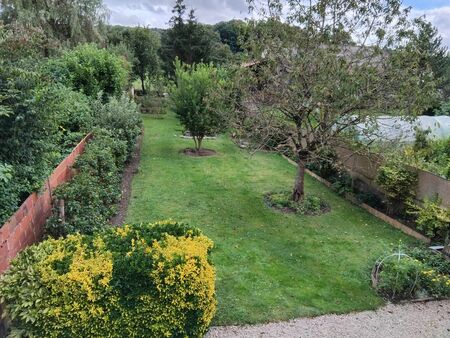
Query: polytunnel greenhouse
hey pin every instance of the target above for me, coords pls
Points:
(391, 128)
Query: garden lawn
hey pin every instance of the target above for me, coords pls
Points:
(270, 266)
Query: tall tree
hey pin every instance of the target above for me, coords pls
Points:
(433, 55)
(66, 21)
(145, 45)
(230, 33)
(307, 84)
(187, 39)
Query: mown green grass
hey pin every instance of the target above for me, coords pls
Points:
(270, 266)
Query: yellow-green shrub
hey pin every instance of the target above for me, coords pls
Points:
(146, 280)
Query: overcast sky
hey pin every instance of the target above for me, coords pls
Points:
(156, 13)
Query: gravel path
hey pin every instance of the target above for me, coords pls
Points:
(413, 320)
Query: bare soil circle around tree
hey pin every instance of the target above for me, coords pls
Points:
(198, 153)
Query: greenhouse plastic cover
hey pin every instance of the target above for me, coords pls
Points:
(391, 128)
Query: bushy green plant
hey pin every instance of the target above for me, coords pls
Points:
(433, 219)
(199, 99)
(399, 277)
(398, 182)
(9, 194)
(91, 70)
(121, 117)
(90, 198)
(431, 259)
(146, 280)
(413, 273)
(311, 204)
(71, 111)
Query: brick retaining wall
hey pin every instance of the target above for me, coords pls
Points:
(26, 226)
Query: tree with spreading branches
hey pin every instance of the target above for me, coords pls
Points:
(318, 69)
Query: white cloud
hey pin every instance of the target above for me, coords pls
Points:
(157, 13)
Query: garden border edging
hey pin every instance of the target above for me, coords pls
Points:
(396, 224)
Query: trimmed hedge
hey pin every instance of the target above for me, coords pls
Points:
(145, 280)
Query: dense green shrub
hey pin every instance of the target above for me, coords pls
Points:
(399, 278)
(398, 182)
(9, 194)
(199, 99)
(71, 111)
(311, 204)
(90, 197)
(147, 280)
(91, 70)
(431, 259)
(429, 154)
(414, 273)
(120, 116)
(433, 219)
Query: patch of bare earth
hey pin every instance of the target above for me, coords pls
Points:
(199, 153)
(130, 170)
(411, 320)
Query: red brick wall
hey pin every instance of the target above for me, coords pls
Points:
(26, 226)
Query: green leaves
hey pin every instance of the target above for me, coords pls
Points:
(200, 98)
(432, 218)
(92, 70)
(397, 180)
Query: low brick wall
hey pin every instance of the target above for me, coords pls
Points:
(26, 226)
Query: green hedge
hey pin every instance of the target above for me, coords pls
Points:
(91, 197)
(91, 70)
(146, 280)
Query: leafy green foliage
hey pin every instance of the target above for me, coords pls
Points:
(9, 194)
(399, 278)
(413, 273)
(432, 218)
(90, 197)
(311, 204)
(145, 280)
(188, 40)
(121, 117)
(19, 41)
(398, 181)
(230, 33)
(91, 70)
(145, 45)
(433, 54)
(200, 99)
(431, 259)
(62, 22)
(29, 130)
(431, 155)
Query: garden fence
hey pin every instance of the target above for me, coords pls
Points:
(365, 167)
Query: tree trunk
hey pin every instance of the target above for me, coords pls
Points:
(198, 142)
(143, 86)
(299, 188)
(447, 243)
